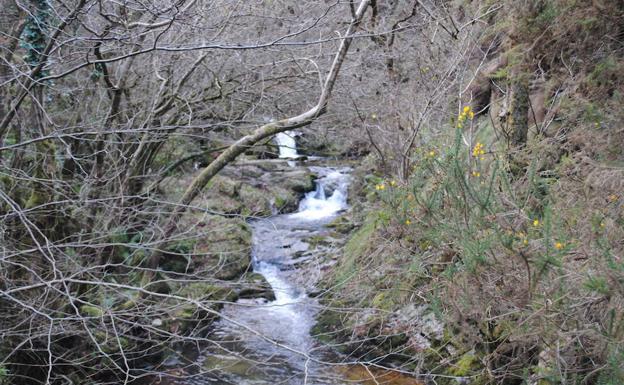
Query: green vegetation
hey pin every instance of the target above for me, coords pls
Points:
(513, 246)
(485, 239)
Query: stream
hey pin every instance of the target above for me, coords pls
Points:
(259, 342)
(273, 345)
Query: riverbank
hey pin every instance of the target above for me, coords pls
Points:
(461, 276)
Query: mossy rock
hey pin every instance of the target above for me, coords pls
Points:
(285, 200)
(191, 319)
(226, 186)
(256, 286)
(342, 225)
(226, 248)
(255, 201)
(177, 257)
(330, 326)
(223, 204)
(201, 291)
(299, 181)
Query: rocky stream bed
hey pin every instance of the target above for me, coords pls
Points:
(263, 335)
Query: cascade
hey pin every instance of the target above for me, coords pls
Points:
(287, 145)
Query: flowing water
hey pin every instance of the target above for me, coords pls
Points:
(263, 343)
(287, 145)
(269, 342)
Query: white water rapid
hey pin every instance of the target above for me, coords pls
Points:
(316, 205)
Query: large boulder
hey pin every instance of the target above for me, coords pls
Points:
(224, 250)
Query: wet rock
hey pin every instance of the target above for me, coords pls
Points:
(298, 180)
(256, 286)
(342, 224)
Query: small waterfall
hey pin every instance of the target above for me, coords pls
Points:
(316, 204)
(287, 145)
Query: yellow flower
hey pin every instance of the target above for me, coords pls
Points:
(525, 242)
(558, 245)
(536, 222)
(382, 186)
(392, 183)
(476, 174)
(432, 153)
(374, 116)
(478, 150)
(471, 115)
(408, 222)
(466, 109)
(602, 225)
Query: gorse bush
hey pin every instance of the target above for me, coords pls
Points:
(513, 261)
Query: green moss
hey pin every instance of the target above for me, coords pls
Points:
(358, 244)
(604, 72)
(466, 365)
(341, 224)
(361, 239)
(280, 201)
(226, 186)
(226, 249)
(255, 200)
(91, 311)
(381, 301)
(329, 323)
(36, 199)
(501, 74)
(207, 291)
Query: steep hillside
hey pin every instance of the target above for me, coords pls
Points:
(494, 254)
